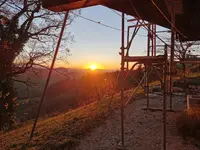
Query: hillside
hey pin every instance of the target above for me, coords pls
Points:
(64, 93)
(96, 126)
(37, 78)
(63, 130)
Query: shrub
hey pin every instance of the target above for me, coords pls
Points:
(188, 123)
(7, 104)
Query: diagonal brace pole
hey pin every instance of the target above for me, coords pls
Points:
(49, 75)
(137, 88)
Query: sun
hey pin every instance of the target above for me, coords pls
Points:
(93, 67)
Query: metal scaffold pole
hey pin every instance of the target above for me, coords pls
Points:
(146, 68)
(165, 99)
(151, 37)
(122, 76)
(127, 48)
(172, 55)
(154, 39)
(49, 76)
(146, 85)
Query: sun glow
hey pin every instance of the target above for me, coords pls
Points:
(93, 67)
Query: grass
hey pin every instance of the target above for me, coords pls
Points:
(197, 74)
(64, 130)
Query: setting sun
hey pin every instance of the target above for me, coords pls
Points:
(93, 67)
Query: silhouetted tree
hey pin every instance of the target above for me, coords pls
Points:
(181, 50)
(27, 37)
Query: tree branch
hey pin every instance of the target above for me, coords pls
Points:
(2, 3)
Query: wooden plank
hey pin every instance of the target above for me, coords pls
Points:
(196, 96)
(144, 58)
(193, 102)
(187, 62)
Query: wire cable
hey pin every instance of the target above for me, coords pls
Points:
(117, 13)
(120, 15)
(167, 18)
(138, 15)
(102, 24)
(97, 22)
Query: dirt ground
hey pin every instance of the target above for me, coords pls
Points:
(143, 129)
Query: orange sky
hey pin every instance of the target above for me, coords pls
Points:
(96, 44)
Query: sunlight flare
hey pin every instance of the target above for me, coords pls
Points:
(93, 67)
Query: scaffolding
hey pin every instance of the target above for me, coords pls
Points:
(149, 61)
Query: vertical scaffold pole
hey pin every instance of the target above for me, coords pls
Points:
(172, 55)
(146, 67)
(146, 85)
(127, 54)
(151, 37)
(122, 88)
(154, 39)
(165, 74)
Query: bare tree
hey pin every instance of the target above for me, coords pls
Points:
(28, 34)
(182, 51)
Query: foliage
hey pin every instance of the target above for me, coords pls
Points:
(183, 51)
(188, 123)
(27, 38)
(7, 105)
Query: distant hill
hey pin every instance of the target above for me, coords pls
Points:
(38, 78)
(61, 94)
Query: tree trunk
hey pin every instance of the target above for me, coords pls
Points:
(184, 69)
(7, 107)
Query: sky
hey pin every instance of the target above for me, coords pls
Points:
(96, 44)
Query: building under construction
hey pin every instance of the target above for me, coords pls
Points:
(178, 16)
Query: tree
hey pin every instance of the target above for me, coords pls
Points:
(28, 34)
(182, 50)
